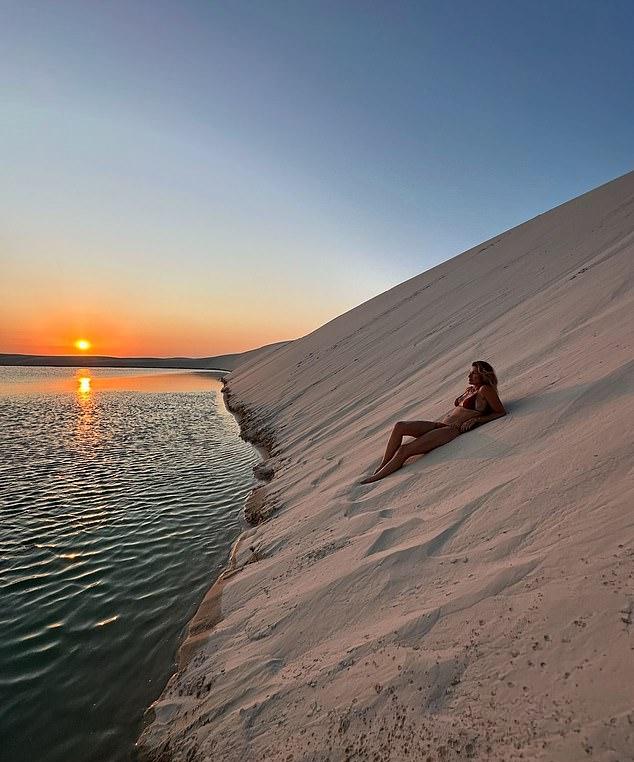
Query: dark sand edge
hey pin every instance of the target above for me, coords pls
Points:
(256, 510)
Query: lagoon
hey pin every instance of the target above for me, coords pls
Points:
(121, 491)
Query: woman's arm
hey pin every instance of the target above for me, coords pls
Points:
(491, 396)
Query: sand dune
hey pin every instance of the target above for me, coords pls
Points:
(478, 603)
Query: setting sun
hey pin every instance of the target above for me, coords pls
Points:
(82, 344)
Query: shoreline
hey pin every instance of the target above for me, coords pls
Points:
(258, 506)
(209, 611)
(224, 363)
(114, 364)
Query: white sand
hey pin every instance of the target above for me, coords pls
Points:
(478, 603)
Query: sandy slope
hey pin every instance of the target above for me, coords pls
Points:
(477, 604)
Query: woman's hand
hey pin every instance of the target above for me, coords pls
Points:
(468, 425)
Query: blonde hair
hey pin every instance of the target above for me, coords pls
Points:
(486, 371)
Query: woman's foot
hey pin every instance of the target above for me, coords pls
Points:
(397, 461)
(369, 479)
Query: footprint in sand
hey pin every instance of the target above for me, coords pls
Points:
(356, 509)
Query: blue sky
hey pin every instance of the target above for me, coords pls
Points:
(202, 177)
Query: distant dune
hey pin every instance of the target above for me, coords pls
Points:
(221, 362)
(477, 604)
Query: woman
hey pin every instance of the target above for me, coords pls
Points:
(478, 404)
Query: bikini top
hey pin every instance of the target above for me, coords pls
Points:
(469, 403)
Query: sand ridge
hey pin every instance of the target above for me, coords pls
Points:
(477, 604)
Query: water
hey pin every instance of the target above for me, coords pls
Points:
(120, 495)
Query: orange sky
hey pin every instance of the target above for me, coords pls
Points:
(34, 320)
(149, 301)
(55, 334)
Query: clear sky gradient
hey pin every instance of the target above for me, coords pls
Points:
(195, 178)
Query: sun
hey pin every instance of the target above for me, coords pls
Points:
(82, 344)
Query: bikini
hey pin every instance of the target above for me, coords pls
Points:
(470, 404)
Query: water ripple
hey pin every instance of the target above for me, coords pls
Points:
(118, 508)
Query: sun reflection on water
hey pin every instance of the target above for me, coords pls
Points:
(84, 384)
(109, 620)
(87, 420)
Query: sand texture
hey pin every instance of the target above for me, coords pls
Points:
(478, 603)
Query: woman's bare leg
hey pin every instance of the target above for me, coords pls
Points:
(400, 430)
(419, 446)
